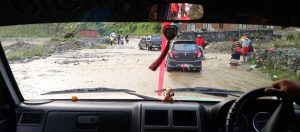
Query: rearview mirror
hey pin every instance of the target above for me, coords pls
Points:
(175, 12)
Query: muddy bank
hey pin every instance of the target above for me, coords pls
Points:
(18, 46)
(23, 52)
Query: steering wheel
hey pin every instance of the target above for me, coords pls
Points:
(283, 117)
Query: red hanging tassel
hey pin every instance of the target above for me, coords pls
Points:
(159, 60)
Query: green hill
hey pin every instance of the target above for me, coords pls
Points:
(59, 29)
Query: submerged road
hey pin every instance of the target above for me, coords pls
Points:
(124, 66)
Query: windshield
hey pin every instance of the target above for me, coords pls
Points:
(156, 38)
(64, 56)
(185, 47)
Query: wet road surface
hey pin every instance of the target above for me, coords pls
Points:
(124, 66)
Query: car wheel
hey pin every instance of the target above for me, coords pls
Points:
(140, 47)
(198, 69)
(169, 69)
(149, 48)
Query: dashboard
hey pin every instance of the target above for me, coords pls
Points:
(140, 116)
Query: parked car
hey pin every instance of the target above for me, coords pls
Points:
(154, 43)
(150, 42)
(142, 43)
(184, 55)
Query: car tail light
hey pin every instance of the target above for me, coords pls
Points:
(171, 54)
(198, 54)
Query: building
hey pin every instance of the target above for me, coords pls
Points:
(186, 27)
(89, 33)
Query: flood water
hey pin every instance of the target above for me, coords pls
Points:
(124, 66)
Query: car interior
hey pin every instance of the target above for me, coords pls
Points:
(269, 113)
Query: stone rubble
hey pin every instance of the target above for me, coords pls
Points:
(217, 36)
(286, 59)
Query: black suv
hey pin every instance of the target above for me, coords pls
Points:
(151, 42)
(184, 55)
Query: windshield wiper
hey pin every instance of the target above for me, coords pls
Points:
(209, 91)
(100, 90)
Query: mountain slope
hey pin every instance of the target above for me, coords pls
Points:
(59, 29)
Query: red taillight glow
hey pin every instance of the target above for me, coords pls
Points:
(198, 54)
(171, 54)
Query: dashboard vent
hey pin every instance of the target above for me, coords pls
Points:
(33, 118)
(184, 118)
(18, 116)
(156, 117)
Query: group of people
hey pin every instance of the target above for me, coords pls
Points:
(178, 11)
(239, 47)
(242, 47)
(118, 39)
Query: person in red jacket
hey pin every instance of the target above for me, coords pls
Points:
(200, 42)
(174, 9)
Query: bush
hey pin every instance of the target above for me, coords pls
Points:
(281, 43)
(54, 39)
(289, 41)
(277, 73)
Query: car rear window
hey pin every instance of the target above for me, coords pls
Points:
(185, 47)
(156, 38)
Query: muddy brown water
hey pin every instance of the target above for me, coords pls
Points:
(124, 66)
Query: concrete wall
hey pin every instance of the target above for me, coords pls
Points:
(89, 33)
(226, 27)
(226, 35)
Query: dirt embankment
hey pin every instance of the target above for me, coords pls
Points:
(219, 47)
(18, 46)
(22, 52)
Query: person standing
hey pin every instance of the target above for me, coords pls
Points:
(245, 43)
(126, 38)
(119, 37)
(236, 50)
(174, 9)
(250, 52)
(111, 38)
(200, 42)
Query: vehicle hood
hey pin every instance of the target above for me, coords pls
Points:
(117, 96)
